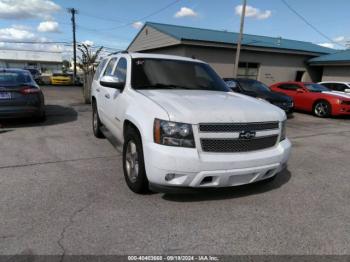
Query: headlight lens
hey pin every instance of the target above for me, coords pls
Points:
(173, 134)
(283, 130)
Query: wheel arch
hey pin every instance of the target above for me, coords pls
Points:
(130, 124)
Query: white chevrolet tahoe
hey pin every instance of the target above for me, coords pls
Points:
(181, 126)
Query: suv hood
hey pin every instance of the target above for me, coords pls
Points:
(194, 106)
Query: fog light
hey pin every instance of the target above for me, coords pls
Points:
(169, 176)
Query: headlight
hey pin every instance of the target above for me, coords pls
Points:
(283, 130)
(173, 134)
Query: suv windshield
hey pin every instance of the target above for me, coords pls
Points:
(316, 88)
(153, 73)
(14, 78)
(250, 85)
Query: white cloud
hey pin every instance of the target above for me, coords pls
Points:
(253, 12)
(339, 39)
(88, 42)
(329, 45)
(48, 26)
(16, 34)
(23, 9)
(137, 25)
(185, 12)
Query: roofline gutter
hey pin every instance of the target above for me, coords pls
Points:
(330, 63)
(248, 47)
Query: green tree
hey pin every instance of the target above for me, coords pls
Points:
(65, 65)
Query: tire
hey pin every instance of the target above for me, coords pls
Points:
(133, 162)
(322, 109)
(96, 122)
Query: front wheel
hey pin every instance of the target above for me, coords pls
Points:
(96, 122)
(133, 162)
(322, 109)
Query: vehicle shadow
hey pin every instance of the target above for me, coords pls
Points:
(231, 192)
(55, 114)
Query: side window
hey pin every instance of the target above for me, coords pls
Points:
(289, 87)
(110, 66)
(339, 87)
(328, 85)
(120, 70)
(99, 69)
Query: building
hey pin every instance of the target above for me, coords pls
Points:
(335, 67)
(268, 59)
(42, 60)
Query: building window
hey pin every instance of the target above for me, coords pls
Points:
(248, 70)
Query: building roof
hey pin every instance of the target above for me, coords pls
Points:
(340, 57)
(30, 55)
(217, 36)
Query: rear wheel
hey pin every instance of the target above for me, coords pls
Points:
(96, 122)
(133, 162)
(322, 109)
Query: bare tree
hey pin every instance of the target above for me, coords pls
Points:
(87, 63)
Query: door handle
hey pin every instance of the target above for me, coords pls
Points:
(107, 96)
(97, 89)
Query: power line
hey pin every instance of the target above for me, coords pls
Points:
(309, 24)
(34, 42)
(144, 17)
(101, 18)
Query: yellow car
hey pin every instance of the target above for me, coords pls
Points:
(61, 79)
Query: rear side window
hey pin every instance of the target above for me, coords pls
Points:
(99, 69)
(339, 87)
(290, 87)
(120, 70)
(12, 78)
(110, 67)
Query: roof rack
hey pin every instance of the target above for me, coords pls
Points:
(119, 52)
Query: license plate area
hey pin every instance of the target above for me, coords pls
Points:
(5, 95)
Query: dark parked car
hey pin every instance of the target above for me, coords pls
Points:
(257, 89)
(35, 74)
(20, 96)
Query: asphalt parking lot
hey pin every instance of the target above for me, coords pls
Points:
(63, 191)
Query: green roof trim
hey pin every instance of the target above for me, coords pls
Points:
(340, 57)
(209, 35)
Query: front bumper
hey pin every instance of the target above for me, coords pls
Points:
(340, 110)
(202, 170)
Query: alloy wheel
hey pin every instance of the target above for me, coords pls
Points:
(321, 109)
(132, 161)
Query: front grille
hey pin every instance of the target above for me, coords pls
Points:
(346, 102)
(227, 145)
(237, 127)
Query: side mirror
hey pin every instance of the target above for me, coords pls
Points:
(300, 90)
(347, 90)
(112, 82)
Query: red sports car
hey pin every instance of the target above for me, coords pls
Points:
(315, 98)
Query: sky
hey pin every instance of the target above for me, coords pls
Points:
(114, 23)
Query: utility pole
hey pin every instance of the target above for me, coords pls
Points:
(239, 42)
(73, 12)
